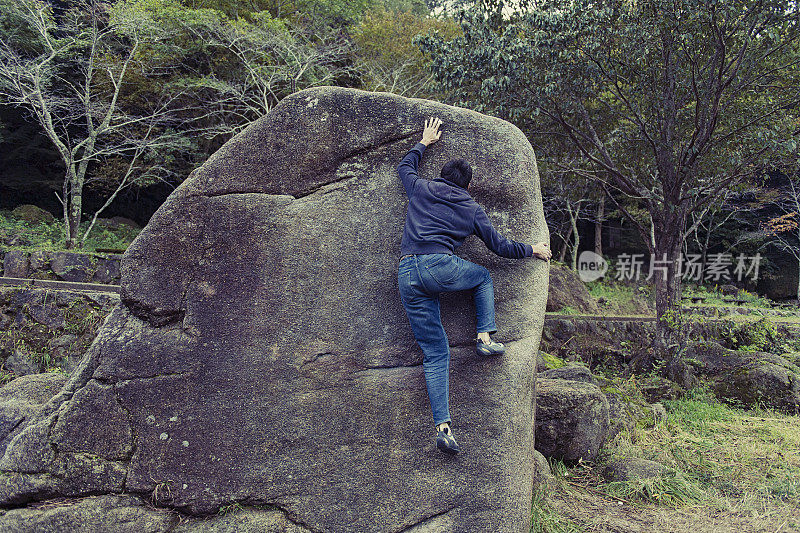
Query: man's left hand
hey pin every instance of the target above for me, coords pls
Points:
(431, 133)
(541, 250)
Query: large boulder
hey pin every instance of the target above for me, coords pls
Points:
(120, 514)
(18, 363)
(69, 266)
(572, 419)
(567, 290)
(261, 354)
(131, 514)
(748, 378)
(570, 372)
(33, 214)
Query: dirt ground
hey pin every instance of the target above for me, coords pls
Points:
(596, 512)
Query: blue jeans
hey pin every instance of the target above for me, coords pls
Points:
(421, 278)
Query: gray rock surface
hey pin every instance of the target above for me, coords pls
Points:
(106, 271)
(571, 419)
(262, 356)
(243, 521)
(542, 472)
(595, 341)
(123, 221)
(65, 266)
(571, 372)
(109, 513)
(70, 266)
(567, 290)
(15, 264)
(127, 513)
(21, 398)
(657, 388)
(39, 260)
(19, 364)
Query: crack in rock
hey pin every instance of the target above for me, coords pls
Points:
(156, 318)
(425, 520)
(294, 519)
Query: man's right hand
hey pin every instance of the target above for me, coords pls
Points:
(542, 250)
(431, 133)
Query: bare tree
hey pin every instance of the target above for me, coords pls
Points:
(267, 62)
(599, 218)
(401, 78)
(705, 223)
(567, 201)
(71, 74)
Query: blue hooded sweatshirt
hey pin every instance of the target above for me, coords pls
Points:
(441, 215)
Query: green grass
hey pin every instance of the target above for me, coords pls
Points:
(753, 454)
(670, 490)
(611, 291)
(620, 299)
(714, 297)
(545, 518)
(50, 236)
(567, 310)
(724, 465)
(724, 455)
(229, 509)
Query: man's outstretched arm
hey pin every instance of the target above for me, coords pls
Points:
(410, 163)
(507, 247)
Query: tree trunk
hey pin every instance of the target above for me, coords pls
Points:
(704, 252)
(563, 253)
(598, 226)
(65, 207)
(573, 219)
(74, 218)
(575, 243)
(667, 296)
(667, 346)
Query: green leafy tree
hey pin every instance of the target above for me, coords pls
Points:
(328, 12)
(668, 102)
(237, 68)
(386, 56)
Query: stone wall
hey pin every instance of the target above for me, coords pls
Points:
(45, 329)
(64, 266)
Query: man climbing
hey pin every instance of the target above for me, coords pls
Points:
(441, 214)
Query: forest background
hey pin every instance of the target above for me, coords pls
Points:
(664, 128)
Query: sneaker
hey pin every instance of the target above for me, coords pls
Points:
(445, 440)
(490, 348)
